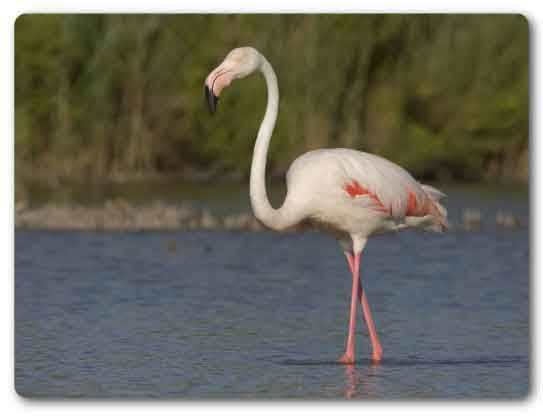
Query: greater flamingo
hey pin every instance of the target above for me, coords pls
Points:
(350, 193)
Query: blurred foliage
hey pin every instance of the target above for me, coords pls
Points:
(446, 96)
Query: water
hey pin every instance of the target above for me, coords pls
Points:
(264, 315)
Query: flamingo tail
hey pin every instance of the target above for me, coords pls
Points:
(437, 210)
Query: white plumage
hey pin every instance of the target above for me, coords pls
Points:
(351, 193)
(318, 181)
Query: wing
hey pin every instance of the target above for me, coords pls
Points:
(393, 191)
(370, 181)
(384, 186)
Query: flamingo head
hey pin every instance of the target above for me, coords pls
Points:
(239, 63)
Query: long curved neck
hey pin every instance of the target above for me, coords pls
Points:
(273, 218)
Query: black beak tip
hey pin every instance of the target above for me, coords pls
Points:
(211, 100)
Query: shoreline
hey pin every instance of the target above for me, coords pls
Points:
(120, 215)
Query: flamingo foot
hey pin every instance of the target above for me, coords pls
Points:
(346, 358)
(377, 356)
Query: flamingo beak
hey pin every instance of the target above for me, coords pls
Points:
(211, 99)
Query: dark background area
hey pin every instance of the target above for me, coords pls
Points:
(111, 97)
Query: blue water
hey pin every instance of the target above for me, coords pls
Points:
(263, 315)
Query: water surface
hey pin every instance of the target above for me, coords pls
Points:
(203, 314)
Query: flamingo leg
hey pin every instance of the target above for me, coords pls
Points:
(376, 345)
(354, 266)
(348, 356)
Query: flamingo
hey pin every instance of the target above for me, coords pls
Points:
(350, 193)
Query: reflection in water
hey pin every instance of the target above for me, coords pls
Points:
(350, 381)
(361, 383)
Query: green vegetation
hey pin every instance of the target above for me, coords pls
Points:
(100, 96)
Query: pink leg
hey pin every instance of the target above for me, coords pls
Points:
(354, 265)
(376, 345)
(348, 357)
